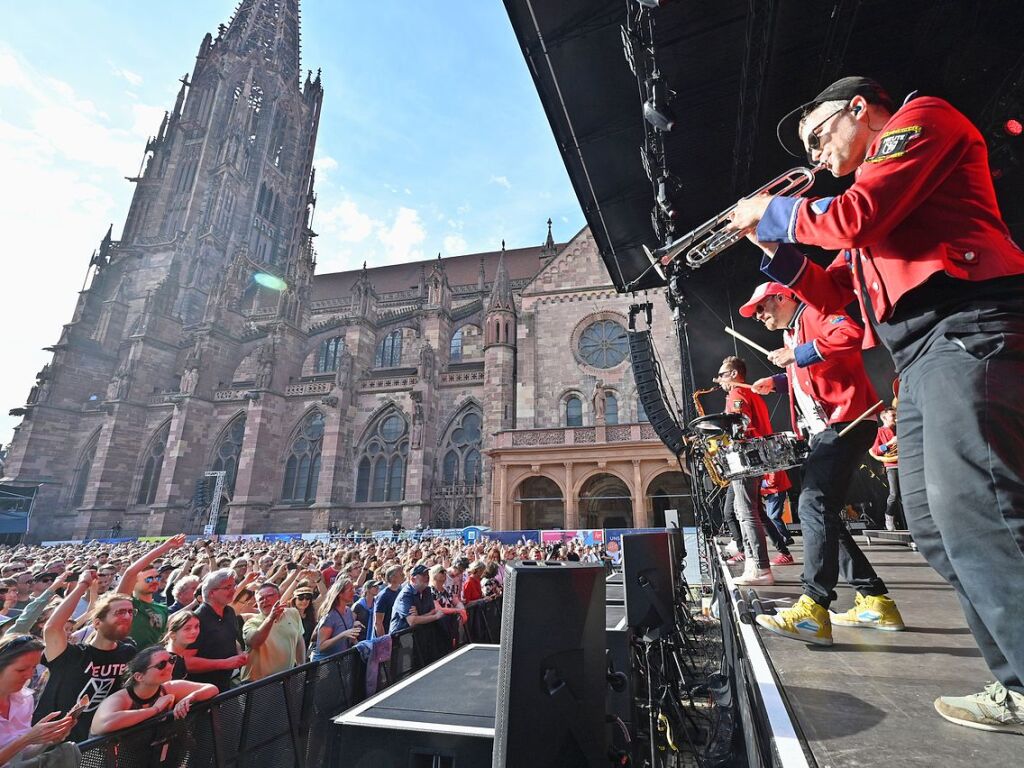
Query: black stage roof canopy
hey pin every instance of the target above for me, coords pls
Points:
(735, 68)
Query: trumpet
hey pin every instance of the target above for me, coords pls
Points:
(711, 238)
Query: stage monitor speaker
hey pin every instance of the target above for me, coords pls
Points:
(647, 571)
(552, 670)
(645, 373)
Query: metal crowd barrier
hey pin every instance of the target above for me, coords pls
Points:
(283, 720)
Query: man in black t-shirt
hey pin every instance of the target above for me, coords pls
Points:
(217, 651)
(92, 669)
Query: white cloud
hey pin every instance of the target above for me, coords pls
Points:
(501, 181)
(402, 237)
(346, 223)
(68, 157)
(146, 120)
(325, 167)
(454, 245)
(135, 80)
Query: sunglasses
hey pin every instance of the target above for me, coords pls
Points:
(124, 612)
(151, 579)
(814, 137)
(4, 590)
(303, 597)
(162, 664)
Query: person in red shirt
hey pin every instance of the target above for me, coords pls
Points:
(925, 252)
(885, 450)
(828, 389)
(743, 493)
(773, 493)
(473, 589)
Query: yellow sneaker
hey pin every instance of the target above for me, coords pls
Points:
(805, 621)
(873, 612)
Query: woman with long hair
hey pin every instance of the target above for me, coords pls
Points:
(182, 631)
(148, 692)
(19, 656)
(337, 628)
(304, 601)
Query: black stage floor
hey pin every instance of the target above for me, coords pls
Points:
(867, 700)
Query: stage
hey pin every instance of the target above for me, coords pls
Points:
(867, 700)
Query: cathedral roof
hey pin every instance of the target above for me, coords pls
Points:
(521, 263)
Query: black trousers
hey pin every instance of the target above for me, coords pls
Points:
(829, 547)
(893, 507)
(961, 417)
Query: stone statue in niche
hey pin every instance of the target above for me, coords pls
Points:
(41, 390)
(343, 374)
(120, 382)
(427, 361)
(417, 424)
(189, 379)
(599, 402)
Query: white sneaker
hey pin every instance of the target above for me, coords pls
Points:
(731, 548)
(757, 577)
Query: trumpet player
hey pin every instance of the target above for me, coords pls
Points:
(886, 451)
(828, 388)
(925, 252)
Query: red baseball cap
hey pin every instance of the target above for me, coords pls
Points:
(763, 290)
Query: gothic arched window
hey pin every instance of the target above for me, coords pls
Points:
(230, 448)
(82, 472)
(154, 463)
(302, 468)
(455, 348)
(573, 412)
(385, 455)
(611, 408)
(389, 351)
(327, 356)
(461, 454)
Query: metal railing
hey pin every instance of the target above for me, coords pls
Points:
(284, 720)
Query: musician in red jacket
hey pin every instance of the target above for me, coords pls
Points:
(828, 388)
(886, 450)
(743, 494)
(926, 253)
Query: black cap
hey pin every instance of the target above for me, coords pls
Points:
(843, 89)
(417, 570)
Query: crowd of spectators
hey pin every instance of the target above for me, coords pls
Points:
(98, 637)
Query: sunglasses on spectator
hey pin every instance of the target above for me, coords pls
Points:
(124, 612)
(162, 664)
(151, 579)
(4, 590)
(303, 597)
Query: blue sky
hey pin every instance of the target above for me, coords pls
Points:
(432, 139)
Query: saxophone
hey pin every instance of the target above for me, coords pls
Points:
(709, 445)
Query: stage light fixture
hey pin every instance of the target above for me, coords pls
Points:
(1013, 127)
(664, 197)
(656, 108)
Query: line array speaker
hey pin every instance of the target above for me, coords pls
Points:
(645, 372)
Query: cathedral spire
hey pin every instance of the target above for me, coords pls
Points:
(501, 291)
(269, 28)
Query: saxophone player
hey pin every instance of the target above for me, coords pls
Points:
(886, 450)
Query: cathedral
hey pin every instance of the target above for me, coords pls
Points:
(211, 379)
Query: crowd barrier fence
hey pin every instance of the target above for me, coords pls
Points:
(284, 720)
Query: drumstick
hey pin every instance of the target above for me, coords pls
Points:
(861, 418)
(745, 340)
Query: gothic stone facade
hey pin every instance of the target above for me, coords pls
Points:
(486, 388)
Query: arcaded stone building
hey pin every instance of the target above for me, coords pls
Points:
(488, 388)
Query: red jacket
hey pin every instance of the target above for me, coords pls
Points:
(775, 482)
(921, 203)
(751, 405)
(884, 438)
(829, 366)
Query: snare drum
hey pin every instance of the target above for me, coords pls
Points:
(757, 456)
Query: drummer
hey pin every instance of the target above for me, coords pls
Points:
(743, 496)
(828, 388)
